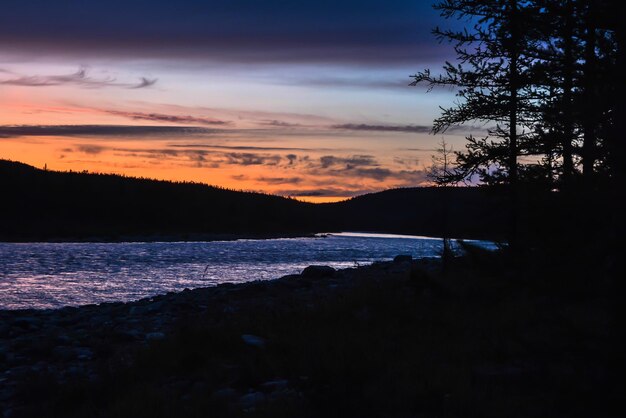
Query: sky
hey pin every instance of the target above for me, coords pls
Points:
(308, 99)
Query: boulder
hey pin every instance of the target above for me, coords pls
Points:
(315, 272)
(253, 340)
(403, 258)
(273, 385)
(155, 336)
(251, 400)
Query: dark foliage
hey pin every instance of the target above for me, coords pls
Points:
(40, 204)
(48, 205)
(544, 73)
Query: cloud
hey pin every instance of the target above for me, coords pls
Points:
(378, 174)
(247, 147)
(411, 178)
(397, 82)
(207, 158)
(348, 162)
(359, 167)
(406, 161)
(159, 153)
(79, 78)
(292, 158)
(248, 158)
(279, 124)
(322, 192)
(258, 117)
(279, 180)
(12, 131)
(217, 158)
(356, 166)
(384, 128)
(160, 117)
(145, 82)
(420, 129)
(90, 149)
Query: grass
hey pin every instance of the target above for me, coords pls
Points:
(474, 343)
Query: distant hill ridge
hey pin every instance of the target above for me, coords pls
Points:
(50, 205)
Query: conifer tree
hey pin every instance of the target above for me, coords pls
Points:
(490, 81)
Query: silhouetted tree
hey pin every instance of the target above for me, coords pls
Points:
(544, 72)
(441, 172)
(491, 81)
(572, 60)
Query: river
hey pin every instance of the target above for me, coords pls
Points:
(52, 275)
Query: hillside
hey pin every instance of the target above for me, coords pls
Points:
(49, 205)
(42, 204)
(459, 212)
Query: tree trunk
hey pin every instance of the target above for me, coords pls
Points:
(568, 85)
(589, 106)
(513, 106)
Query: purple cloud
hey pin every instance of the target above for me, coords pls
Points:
(79, 78)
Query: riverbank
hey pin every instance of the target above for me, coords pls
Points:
(391, 339)
(156, 237)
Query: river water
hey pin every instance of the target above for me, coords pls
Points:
(52, 275)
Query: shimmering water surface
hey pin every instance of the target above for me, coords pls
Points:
(50, 275)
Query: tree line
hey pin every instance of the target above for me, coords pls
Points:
(51, 205)
(543, 77)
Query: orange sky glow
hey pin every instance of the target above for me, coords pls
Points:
(330, 145)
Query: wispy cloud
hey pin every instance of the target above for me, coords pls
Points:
(246, 147)
(279, 180)
(360, 167)
(407, 161)
(350, 82)
(384, 128)
(347, 162)
(204, 158)
(145, 82)
(279, 124)
(161, 117)
(90, 149)
(102, 130)
(249, 158)
(258, 118)
(79, 78)
(419, 129)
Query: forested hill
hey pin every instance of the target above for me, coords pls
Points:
(456, 211)
(50, 205)
(40, 204)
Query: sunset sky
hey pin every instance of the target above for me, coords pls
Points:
(308, 99)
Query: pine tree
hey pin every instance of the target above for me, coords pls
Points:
(490, 81)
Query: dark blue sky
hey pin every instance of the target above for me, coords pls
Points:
(349, 30)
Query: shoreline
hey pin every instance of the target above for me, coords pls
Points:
(153, 238)
(394, 338)
(212, 237)
(66, 343)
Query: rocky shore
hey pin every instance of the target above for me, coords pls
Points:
(70, 343)
(396, 338)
